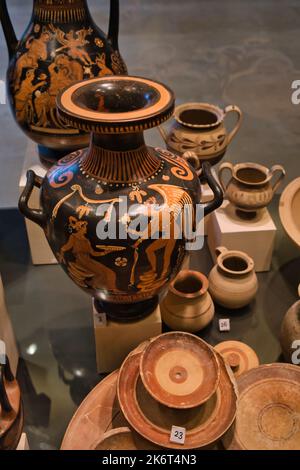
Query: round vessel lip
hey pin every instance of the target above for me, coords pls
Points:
(199, 277)
(130, 121)
(235, 255)
(285, 211)
(215, 110)
(249, 166)
(165, 338)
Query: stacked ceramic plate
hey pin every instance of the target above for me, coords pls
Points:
(176, 381)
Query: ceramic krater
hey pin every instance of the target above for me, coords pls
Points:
(232, 281)
(188, 305)
(198, 132)
(250, 187)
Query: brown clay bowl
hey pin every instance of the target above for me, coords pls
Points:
(239, 356)
(179, 370)
(204, 424)
(268, 416)
(124, 439)
(289, 210)
(97, 414)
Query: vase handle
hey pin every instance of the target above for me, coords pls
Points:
(36, 215)
(224, 166)
(229, 109)
(277, 169)
(114, 21)
(8, 29)
(220, 250)
(217, 201)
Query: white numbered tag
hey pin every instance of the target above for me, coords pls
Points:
(224, 324)
(177, 435)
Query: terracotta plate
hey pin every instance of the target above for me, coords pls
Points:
(179, 370)
(239, 356)
(124, 439)
(268, 416)
(204, 424)
(289, 210)
(97, 414)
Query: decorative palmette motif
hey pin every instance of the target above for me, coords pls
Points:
(180, 168)
(83, 210)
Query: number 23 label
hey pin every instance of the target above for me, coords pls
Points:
(177, 435)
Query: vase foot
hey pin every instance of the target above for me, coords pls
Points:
(244, 215)
(123, 313)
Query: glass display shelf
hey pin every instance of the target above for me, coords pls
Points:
(52, 319)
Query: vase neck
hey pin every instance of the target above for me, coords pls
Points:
(60, 11)
(120, 159)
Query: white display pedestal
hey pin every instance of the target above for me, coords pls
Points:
(114, 341)
(23, 444)
(39, 247)
(7, 334)
(256, 237)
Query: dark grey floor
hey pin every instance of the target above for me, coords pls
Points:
(222, 51)
(53, 325)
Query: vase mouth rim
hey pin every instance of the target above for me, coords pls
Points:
(193, 291)
(116, 104)
(199, 115)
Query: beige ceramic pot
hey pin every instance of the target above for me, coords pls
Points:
(188, 305)
(232, 281)
(250, 187)
(290, 334)
(198, 132)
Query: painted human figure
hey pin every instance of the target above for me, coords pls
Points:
(84, 254)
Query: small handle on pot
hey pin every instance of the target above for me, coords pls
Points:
(217, 201)
(277, 169)
(229, 109)
(224, 166)
(220, 250)
(36, 215)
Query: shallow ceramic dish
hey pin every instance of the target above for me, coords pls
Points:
(204, 424)
(124, 439)
(98, 414)
(239, 356)
(289, 210)
(268, 416)
(179, 370)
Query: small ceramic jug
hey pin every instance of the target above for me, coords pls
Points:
(290, 333)
(250, 187)
(198, 132)
(188, 305)
(232, 281)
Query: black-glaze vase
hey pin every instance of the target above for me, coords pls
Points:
(61, 45)
(83, 195)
